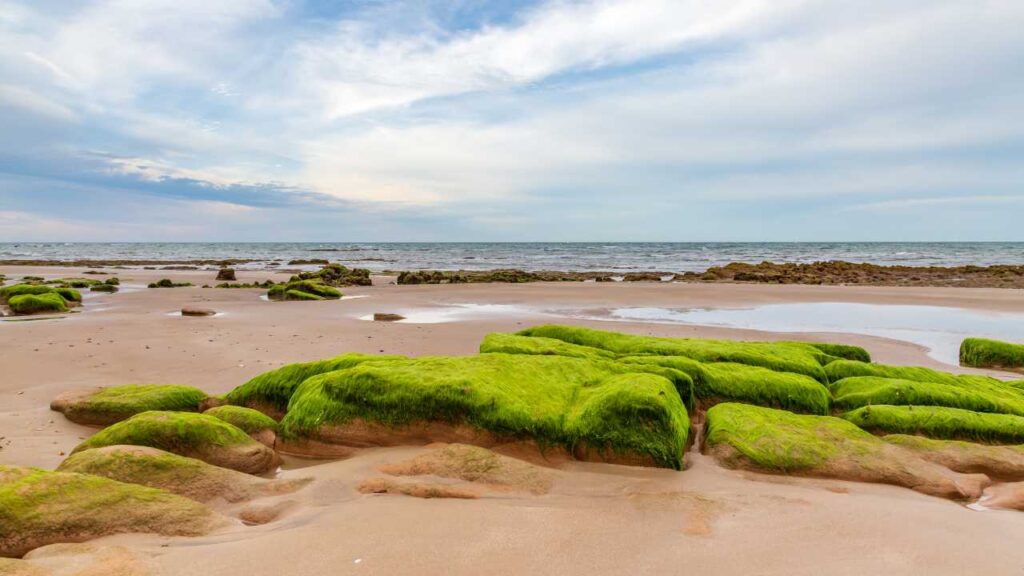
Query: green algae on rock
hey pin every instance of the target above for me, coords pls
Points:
(104, 406)
(985, 353)
(271, 391)
(997, 462)
(940, 422)
(858, 391)
(796, 357)
(168, 283)
(595, 409)
(303, 290)
(8, 292)
(770, 440)
(516, 344)
(47, 303)
(39, 507)
(846, 368)
(189, 434)
(188, 477)
(261, 427)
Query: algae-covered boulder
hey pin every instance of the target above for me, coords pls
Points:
(8, 292)
(70, 295)
(47, 303)
(261, 427)
(986, 353)
(716, 382)
(796, 357)
(940, 422)
(515, 344)
(596, 410)
(769, 440)
(104, 406)
(180, 475)
(841, 369)
(189, 434)
(39, 507)
(303, 290)
(858, 391)
(999, 462)
(271, 391)
(109, 288)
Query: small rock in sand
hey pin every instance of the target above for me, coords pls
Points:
(197, 312)
(387, 317)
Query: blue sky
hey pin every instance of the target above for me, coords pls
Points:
(466, 120)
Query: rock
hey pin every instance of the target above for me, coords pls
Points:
(180, 475)
(387, 317)
(105, 406)
(769, 440)
(191, 311)
(38, 507)
(188, 434)
(416, 489)
(1005, 496)
(999, 462)
(226, 275)
(90, 560)
(109, 288)
(261, 427)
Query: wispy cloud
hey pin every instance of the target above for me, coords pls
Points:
(691, 116)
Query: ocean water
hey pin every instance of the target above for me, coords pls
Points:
(603, 256)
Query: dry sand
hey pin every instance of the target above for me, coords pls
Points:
(596, 519)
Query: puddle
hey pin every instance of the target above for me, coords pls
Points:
(178, 313)
(938, 328)
(456, 313)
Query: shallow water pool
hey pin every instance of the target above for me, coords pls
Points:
(938, 328)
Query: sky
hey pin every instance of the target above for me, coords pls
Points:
(473, 120)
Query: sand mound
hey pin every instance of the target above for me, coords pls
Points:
(417, 489)
(187, 477)
(764, 439)
(87, 560)
(188, 434)
(1006, 496)
(38, 507)
(474, 464)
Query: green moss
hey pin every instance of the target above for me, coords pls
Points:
(69, 294)
(940, 422)
(846, 368)
(8, 292)
(515, 344)
(247, 419)
(553, 400)
(858, 391)
(781, 441)
(796, 357)
(116, 403)
(179, 432)
(36, 304)
(113, 281)
(303, 290)
(38, 507)
(273, 390)
(78, 282)
(730, 382)
(109, 288)
(842, 351)
(985, 353)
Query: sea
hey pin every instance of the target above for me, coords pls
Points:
(564, 256)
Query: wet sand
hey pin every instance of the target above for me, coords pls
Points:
(598, 519)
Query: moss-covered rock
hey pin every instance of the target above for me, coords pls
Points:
(940, 422)
(848, 368)
(180, 475)
(858, 391)
(515, 344)
(48, 303)
(38, 507)
(337, 275)
(597, 410)
(716, 382)
(70, 295)
(271, 391)
(985, 353)
(105, 406)
(8, 292)
(168, 283)
(189, 434)
(769, 440)
(303, 290)
(796, 357)
(108, 288)
(998, 462)
(261, 427)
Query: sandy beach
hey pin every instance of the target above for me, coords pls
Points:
(596, 518)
